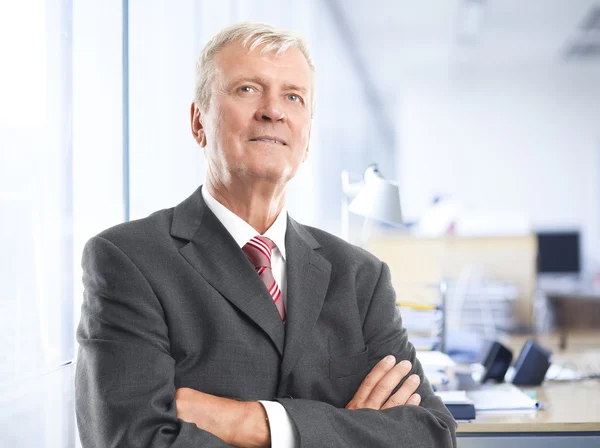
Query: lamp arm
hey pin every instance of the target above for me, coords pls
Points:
(365, 231)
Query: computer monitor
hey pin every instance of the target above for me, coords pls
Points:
(559, 252)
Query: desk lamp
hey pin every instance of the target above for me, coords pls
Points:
(374, 198)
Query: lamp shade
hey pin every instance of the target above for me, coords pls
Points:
(378, 199)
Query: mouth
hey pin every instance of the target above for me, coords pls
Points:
(269, 139)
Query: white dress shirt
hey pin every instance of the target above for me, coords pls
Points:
(283, 431)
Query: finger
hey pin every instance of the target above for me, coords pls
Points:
(404, 393)
(381, 392)
(414, 400)
(375, 375)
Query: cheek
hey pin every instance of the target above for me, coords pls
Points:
(225, 124)
(216, 135)
(221, 123)
(233, 121)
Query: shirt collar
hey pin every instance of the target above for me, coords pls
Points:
(240, 230)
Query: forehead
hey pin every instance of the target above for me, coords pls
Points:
(235, 61)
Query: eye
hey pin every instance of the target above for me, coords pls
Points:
(246, 89)
(295, 98)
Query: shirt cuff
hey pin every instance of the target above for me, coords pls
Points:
(284, 433)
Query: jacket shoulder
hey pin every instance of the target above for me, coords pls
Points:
(144, 231)
(335, 249)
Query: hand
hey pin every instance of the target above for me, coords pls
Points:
(237, 423)
(374, 392)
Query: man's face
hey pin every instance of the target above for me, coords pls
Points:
(257, 126)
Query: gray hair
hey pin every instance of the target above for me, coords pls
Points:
(251, 35)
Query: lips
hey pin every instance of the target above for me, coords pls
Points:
(269, 139)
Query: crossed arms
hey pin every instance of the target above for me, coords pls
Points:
(243, 424)
(126, 394)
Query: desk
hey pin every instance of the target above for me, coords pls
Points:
(571, 419)
(573, 412)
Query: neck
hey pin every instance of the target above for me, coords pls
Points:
(259, 204)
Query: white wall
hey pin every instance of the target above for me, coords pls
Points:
(165, 165)
(521, 139)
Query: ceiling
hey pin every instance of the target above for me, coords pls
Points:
(432, 32)
(395, 42)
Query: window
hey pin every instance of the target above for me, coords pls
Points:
(36, 228)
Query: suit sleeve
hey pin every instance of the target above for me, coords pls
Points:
(125, 390)
(424, 426)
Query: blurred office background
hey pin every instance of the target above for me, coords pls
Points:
(486, 114)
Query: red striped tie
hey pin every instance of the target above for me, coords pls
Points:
(258, 250)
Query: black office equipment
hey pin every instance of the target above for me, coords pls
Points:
(496, 359)
(531, 365)
(463, 411)
(559, 252)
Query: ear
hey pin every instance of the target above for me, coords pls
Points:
(196, 125)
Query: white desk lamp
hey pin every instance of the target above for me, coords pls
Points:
(375, 198)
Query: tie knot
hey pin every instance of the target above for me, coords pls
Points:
(258, 250)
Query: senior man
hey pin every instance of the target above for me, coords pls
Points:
(224, 322)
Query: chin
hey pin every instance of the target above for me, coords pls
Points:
(269, 172)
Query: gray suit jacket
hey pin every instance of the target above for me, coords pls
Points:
(171, 301)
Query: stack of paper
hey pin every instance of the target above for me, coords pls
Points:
(501, 397)
(438, 367)
(488, 398)
(423, 323)
(453, 396)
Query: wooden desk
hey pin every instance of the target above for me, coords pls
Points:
(570, 407)
(571, 417)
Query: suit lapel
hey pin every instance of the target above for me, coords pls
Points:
(308, 276)
(215, 255)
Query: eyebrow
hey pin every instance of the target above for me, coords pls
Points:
(263, 81)
(295, 87)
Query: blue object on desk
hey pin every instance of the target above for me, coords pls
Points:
(462, 411)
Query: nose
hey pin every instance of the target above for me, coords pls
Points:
(270, 109)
